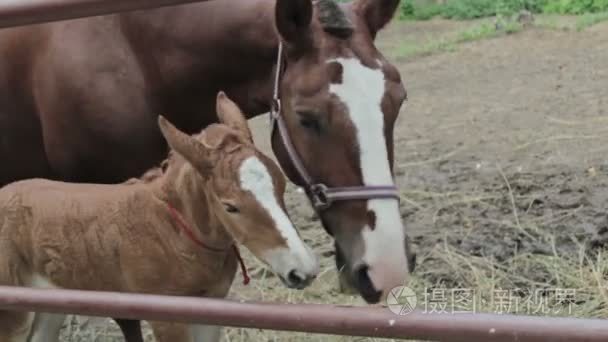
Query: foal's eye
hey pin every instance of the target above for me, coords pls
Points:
(230, 208)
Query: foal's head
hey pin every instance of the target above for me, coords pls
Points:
(244, 189)
(340, 98)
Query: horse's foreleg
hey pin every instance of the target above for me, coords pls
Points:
(131, 329)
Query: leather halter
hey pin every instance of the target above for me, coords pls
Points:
(320, 194)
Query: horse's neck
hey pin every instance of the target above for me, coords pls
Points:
(209, 46)
(183, 189)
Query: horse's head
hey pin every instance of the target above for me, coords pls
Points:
(339, 99)
(244, 189)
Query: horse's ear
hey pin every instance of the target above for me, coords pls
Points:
(376, 13)
(192, 150)
(293, 19)
(230, 114)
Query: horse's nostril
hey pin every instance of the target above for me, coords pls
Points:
(412, 262)
(362, 276)
(294, 278)
(364, 283)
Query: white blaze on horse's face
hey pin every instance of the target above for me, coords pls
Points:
(297, 265)
(361, 90)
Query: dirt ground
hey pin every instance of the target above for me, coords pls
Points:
(501, 158)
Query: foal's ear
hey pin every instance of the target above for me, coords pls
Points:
(192, 150)
(376, 13)
(293, 18)
(231, 115)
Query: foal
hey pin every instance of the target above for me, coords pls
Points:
(173, 234)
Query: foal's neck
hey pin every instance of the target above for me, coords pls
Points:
(182, 188)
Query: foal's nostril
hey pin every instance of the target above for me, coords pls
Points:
(297, 280)
(364, 283)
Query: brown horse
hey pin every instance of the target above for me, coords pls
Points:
(78, 101)
(172, 235)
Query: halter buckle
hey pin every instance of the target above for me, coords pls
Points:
(275, 111)
(275, 106)
(319, 198)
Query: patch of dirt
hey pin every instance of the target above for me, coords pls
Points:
(530, 104)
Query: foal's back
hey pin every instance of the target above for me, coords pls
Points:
(99, 237)
(62, 231)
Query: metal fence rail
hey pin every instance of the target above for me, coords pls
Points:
(24, 12)
(313, 318)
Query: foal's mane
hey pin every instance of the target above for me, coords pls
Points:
(154, 172)
(333, 19)
(159, 171)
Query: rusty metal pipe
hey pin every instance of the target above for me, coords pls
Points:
(312, 318)
(25, 12)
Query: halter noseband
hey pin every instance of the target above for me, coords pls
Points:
(321, 195)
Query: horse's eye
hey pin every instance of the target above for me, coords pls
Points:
(310, 122)
(230, 208)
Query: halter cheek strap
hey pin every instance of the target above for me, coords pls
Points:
(320, 194)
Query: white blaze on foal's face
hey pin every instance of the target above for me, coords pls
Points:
(361, 90)
(295, 263)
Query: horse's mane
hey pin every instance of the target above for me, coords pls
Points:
(333, 19)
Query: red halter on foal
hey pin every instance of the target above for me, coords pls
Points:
(190, 233)
(321, 195)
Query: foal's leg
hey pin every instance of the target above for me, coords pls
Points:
(170, 332)
(178, 332)
(46, 327)
(15, 326)
(205, 333)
